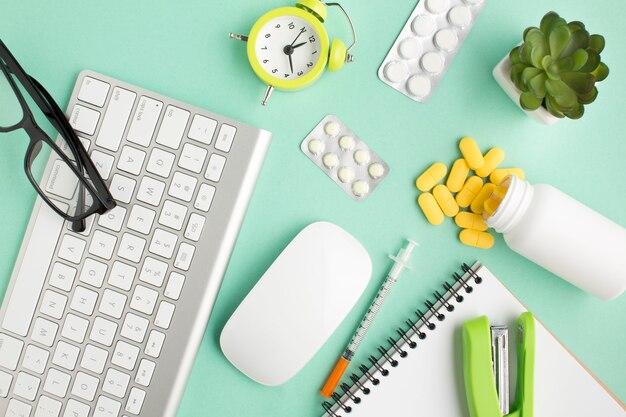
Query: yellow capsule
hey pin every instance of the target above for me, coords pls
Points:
(481, 197)
(490, 207)
(467, 220)
(498, 175)
(457, 176)
(445, 200)
(431, 176)
(431, 209)
(500, 191)
(471, 153)
(493, 158)
(469, 191)
(476, 238)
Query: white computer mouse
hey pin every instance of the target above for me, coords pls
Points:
(297, 304)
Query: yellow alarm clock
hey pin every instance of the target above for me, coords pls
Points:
(288, 47)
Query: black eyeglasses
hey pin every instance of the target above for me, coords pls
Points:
(74, 188)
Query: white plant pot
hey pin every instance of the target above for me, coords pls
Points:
(502, 75)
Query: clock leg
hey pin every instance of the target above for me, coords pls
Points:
(267, 95)
(243, 38)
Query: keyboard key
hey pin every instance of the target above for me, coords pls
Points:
(102, 245)
(115, 119)
(215, 167)
(135, 401)
(84, 300)
(47, 407)
(205, 197)
(131, 247)
(225, 138)
(113, 219)
(71, 249)
(122, 188)
(103, 162)
(144, 121)
(26, 386)
(76, 409)
(150, 191)
(174, 286)
(10, 351)
(85, 386)
(35, 359)
(164, 315)
(62, 276)
(172, 127)
(141, 219)
(112, 303)
(84, 120)
(194, 227)
(17, 408)
(75, 328)
(184, 256)
(125, 355)
(57, 382)
(94, 359)
(103, 331)
(143, 299)
(53, 304)
(202, 129)
(93, 272)
(66, 356)
(115, 383)
(192, 158)
(182, 186)
(93, 91)
(134, 327)
(131, 160)
(44, 331)
(64, 182)
(153, 272)
(155, 343)
(160, 162)
(163, 243)
(173, 215)
(144, 373)
(122, 275)
(106, 407)
(6, 379)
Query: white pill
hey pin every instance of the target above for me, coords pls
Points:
(437, 6)
(396, 71)
(409, 48)
(360, 188)
(346, 142)
(446, 40)
(345, 174)
(460, 16)
(361, 157)
(432, 62)
(330, 160)
(331, 128)
(316, 146)
(419, 85)
(376, 170)
(423, 25)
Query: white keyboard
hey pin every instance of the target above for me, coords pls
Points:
(107, 322)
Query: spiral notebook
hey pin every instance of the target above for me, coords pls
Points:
(419, 371)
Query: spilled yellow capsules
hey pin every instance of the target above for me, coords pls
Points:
(445, 200)
(431, 209)
(469, 191)
(431, 176)
(493, 158)
(471, 153)
(467, 220)
(498, 175)
(481, 197)
(457, 176)
(476, 238)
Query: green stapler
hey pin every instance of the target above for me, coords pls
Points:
(485, 367)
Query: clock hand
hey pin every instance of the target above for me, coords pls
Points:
(298, 45)
(290, 63)
(301, 32)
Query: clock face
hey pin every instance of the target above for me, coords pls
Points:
(288, 47)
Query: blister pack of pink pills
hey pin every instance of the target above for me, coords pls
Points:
(427, 44)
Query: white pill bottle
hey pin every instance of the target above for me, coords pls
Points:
(560, 234)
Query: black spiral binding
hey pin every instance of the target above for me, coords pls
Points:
(445, 300)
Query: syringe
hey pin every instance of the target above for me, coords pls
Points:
(400, 262)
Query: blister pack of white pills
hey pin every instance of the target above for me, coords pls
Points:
(344, 157)
(427, 44)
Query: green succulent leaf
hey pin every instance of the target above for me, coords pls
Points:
(514, 55)
(580, 82)
(589, 97)
(536, 38)
(525, 53)
(559, 39)
(596, 42)
(537, 85)
(562, 94)
(593, 60)
(552, 107)
(528, 101)
(601, 72)
(529, 73)
(580, 58)
(547, 21)
(576, 25)
(564, 64)
(536, 55)
(576, 113)
(578, 40)
(516, 76)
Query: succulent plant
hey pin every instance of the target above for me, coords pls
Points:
(557, 67)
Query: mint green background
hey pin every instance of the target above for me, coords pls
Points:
(181, 49)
